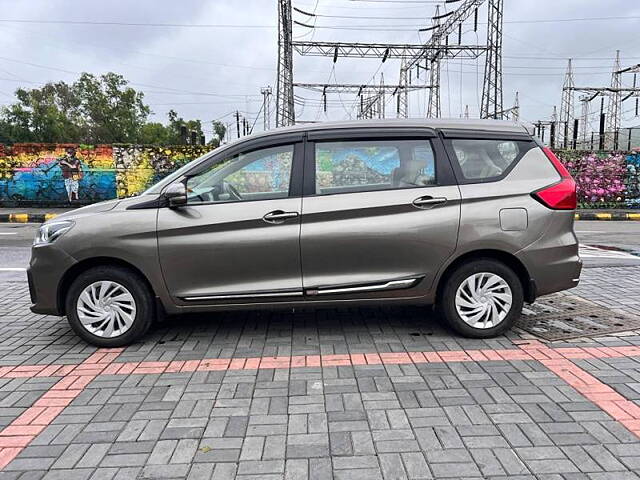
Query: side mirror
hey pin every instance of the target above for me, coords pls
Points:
(176, 195)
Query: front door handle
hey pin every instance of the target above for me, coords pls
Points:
(429, 202)
(278, 216)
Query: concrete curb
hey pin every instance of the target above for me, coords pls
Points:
(26, 217)
(43, 217)
(608, 216)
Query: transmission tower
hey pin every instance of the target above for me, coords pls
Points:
(515, 110)
(433, 107)
(402, 93)
(613, 107)
(512, 113)
(492, 90)
(567, 112)
(584, 118)
(285, 110)
(608, 134)
(266, 107)
(381, 98)
(436, 49)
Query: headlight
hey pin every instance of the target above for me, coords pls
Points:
(48, 232)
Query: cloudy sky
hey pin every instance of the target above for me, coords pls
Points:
(218, 54)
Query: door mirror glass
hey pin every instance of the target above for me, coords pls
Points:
(176, 195)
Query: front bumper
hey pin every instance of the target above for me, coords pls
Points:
(45, 274)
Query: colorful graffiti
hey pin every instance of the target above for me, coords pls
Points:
(139, 167)
(36, 174)
(605, 179)
(50, 175)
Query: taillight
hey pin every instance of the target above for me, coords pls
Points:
(560, 195)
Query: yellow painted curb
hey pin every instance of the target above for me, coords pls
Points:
(603, 216)
(49, 216)
(19, 217)
(633, 216)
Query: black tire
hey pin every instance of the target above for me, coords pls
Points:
(453, 281)
(129, 279)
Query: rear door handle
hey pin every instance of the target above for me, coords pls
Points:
(429, 202)
(278, 216)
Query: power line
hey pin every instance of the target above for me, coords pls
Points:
(433, 2)
(147, 54)
(180, 91)
(355, 6)
(131, 24)
(330, 27)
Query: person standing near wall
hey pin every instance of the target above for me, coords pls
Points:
(71, 172)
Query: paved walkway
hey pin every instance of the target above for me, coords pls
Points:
(346, 394)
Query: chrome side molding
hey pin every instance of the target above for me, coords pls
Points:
(238, 296)
(390, 285)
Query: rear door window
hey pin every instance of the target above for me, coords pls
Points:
(361, 166)
(485, 160)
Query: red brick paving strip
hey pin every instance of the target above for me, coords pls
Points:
(622, 410)
(75, 378)
(19, 433)
(528, 350)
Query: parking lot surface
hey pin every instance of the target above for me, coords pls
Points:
(368, 393)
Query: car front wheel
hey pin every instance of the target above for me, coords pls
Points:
(482, 298)
(109, 306)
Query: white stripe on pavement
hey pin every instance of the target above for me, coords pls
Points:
(13, 269)
(589, 251)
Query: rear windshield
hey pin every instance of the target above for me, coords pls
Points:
(487, 160)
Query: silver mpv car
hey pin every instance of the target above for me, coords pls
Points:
(473, 216)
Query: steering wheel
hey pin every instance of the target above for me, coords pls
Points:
(231, 190)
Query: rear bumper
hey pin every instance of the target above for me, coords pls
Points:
(552, 260)
(45, 273)
(552, 270)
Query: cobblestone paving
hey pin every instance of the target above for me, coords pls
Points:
(345, 394)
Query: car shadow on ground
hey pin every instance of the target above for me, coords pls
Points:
(259, 333)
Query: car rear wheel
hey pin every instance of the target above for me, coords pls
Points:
(482, 298)
(109, 306)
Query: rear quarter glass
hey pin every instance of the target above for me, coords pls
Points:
(482, 160)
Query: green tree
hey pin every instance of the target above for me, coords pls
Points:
(176, 125)
(154, 133)
(111, 111)
(92, 110)
(47, 114)
(219, 131)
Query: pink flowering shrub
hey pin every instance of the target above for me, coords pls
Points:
(600, 178)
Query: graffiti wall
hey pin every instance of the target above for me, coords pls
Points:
(63, 175)
(605, 179)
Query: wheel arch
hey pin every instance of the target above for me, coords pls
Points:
(84, 265)
(528, 284)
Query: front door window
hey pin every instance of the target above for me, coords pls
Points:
(262, 174)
